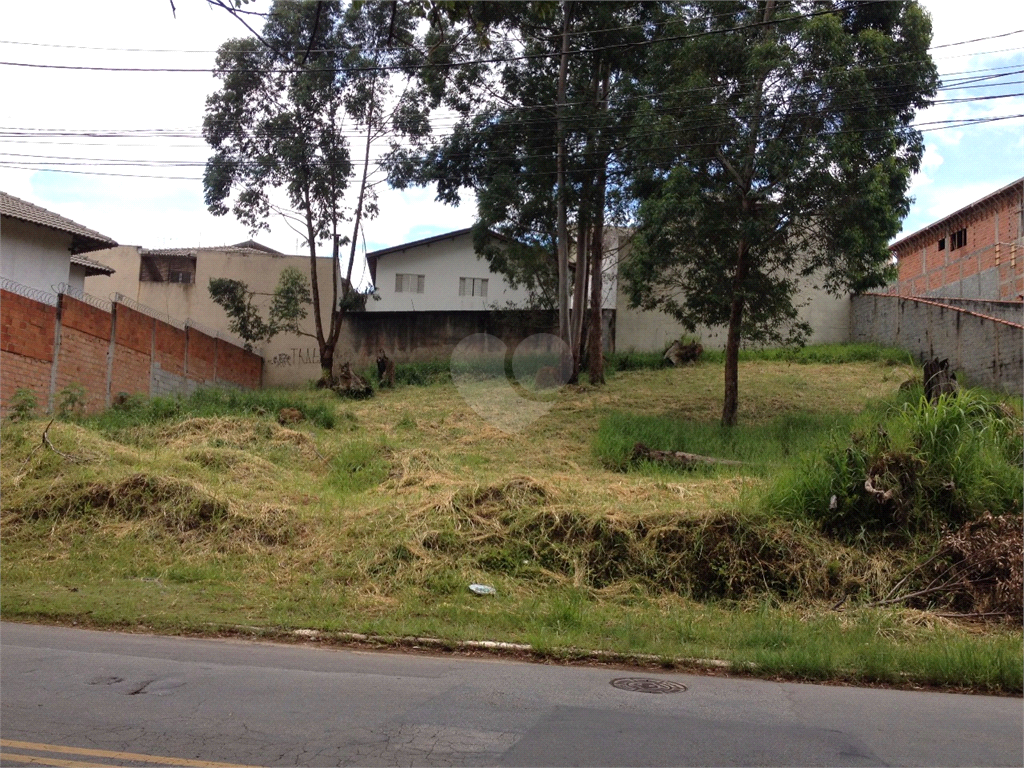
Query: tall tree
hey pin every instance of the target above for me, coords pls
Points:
(277, 126)
(539, 90)
(776, 146)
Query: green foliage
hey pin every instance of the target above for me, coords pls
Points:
(71, 402)
(212, 402)
(762, 447)
(287, 306)
(910, 469)
(359, 466)
(828, 354)
(280, 123)
(791, 160)
(504, 146)
(23, 405)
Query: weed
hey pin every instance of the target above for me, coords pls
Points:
(71, 402)
(23, 405)
(910, 470)
(194, 515)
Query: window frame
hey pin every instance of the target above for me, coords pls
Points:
(404, 282)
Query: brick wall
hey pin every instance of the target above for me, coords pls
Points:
(46, 349)
(990, 265)
(988, 350)
(202, 356)
(132, 352)
(83, 344)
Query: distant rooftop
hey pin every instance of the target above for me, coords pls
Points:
(83, 238)
(91, 267)
(250, 247)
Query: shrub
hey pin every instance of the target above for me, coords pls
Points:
(71, 402)
(23, 405)
(914, 469)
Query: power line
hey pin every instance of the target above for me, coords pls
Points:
(452, 65)
(966, 80)
(929, 127)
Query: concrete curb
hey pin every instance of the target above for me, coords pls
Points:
(577, 654)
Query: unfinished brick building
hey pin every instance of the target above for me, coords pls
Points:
(975, 253)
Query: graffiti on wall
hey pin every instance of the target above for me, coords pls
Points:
(307, 356)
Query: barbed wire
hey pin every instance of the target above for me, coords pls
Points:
(156, 314)
(36, 294)
(80, 295)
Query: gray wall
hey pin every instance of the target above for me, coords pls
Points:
(1011, 311)
(989, 351)
(424, 336)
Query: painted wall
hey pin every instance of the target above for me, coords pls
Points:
(297, 356)
(37, 257)
(441, 263)
(641, 331)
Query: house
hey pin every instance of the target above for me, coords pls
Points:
(42, 250)
(445, 273)
(174, 282)
(975, 253)
(439, 273)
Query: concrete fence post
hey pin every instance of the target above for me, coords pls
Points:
(111, 351)
(56, 355)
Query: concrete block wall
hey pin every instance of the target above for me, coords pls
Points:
(988, 350)
(1011, 311)
(409, 337)
(47, 348)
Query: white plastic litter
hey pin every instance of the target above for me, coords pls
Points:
(482, 589)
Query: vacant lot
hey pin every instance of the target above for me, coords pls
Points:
(375, 516)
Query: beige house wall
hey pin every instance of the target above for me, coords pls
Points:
(637, 330)
(289, 360)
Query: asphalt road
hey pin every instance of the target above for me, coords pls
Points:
(71, 697)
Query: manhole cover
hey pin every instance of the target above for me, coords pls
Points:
(647, 685)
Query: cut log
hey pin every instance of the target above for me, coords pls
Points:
(678, 458)
(679, 354)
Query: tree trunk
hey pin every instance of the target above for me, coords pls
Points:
(732, 345)
(596, 343)
(595, 367)
(579, 295)
(326, 351)
(563, 225)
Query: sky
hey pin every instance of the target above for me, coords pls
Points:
(54, 121)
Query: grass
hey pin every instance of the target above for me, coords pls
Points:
(207, 515)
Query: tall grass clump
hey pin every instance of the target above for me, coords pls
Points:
(136, 411)
(916, 467)
(760, 446)
(830, 354)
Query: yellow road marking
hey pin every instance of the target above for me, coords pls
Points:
(8, 757)
(106, 753)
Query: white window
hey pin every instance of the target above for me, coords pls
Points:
(409, 283)
(473, 286)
